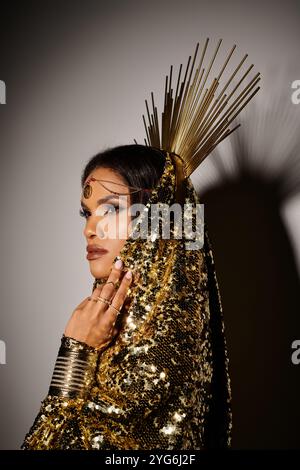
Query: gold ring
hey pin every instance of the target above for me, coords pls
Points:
(117, 310)
(99, 283)
(101, 299)
(111, 282)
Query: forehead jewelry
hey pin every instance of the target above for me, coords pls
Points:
(88, 190)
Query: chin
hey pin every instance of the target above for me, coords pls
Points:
(99, 271)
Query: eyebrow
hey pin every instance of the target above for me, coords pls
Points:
(101, 200)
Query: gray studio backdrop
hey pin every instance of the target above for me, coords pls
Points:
(77, 75)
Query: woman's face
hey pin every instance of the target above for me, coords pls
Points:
(107, 220)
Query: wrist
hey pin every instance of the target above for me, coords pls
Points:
(74, 369)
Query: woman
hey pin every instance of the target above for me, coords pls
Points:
(155, 375)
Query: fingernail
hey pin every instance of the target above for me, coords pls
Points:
(118, 264)
(128, 275)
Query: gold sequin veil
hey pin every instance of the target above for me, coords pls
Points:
(172, 336)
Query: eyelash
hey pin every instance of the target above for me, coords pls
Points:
(84, 213)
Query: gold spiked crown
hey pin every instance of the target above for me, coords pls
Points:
(198, 117)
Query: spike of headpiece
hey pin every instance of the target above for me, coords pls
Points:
(198, 117)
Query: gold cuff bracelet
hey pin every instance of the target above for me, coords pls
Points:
(74, 369)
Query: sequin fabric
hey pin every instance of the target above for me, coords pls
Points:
(164, 382)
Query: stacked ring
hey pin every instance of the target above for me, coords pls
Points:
(117, 310)
(101, 299)
(113, 283)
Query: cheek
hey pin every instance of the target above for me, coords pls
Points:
(114, 247)
(123, 227)
(114, 229)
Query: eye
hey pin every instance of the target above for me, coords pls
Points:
(110, 208)
(84, 213)
(101, 212)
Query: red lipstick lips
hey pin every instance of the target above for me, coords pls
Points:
(95, 252)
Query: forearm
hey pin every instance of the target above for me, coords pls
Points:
(58, 422)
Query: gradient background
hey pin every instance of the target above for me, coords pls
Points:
(77, 74)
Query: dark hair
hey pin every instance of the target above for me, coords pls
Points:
(139, 165)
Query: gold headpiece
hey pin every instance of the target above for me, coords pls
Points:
(198, 117)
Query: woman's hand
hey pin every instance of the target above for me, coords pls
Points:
(93, 320)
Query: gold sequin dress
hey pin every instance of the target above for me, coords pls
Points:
(163, 383)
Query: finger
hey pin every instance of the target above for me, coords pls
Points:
(97, 290)
(119, 299)
(121, 293)
(109, 287)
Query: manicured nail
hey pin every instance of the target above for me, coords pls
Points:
(128, 275)
(118, 264)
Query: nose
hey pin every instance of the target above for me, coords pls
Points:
(90, 229)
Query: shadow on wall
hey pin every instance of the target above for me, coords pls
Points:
(258, 278)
